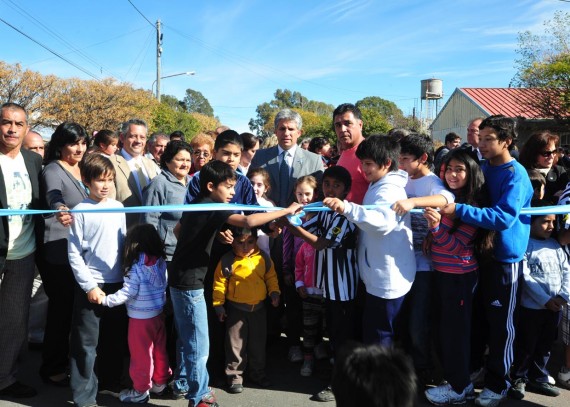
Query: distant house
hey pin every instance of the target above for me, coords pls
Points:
(466, 104)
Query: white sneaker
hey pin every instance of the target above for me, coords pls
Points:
(444, 394)
(133, 397)
(295, 354)
(307, 368)
(564, 378)
(488, 398)
(157, 389)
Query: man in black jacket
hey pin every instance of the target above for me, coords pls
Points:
(19, 189)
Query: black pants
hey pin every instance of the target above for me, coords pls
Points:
(59, 285)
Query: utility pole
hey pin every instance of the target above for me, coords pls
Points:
(158, 54)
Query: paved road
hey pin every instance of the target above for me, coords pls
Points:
(289, 389)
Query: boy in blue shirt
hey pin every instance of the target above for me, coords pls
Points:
(510, 191)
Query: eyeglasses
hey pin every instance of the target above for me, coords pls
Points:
(546, 154)
(199, 153)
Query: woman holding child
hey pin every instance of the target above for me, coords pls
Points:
(62, 188)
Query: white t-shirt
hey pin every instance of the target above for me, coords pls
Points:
(19, 194)
(427, 185)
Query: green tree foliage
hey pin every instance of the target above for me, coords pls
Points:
(385, 107)
(195, 102)
(263, 123)
(173, 103)
(374, 122)
(544, 64)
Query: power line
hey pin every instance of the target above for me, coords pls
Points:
(58, 36)
(143, 16)
(52, 51)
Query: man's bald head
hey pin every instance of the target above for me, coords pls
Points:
(34, 142)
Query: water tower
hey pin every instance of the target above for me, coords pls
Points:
(432, 90)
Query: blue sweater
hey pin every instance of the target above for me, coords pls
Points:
(244, 191)
(510, 190)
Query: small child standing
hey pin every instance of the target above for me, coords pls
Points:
(259, 178)
(385, 253)
(424, 189)
(510, 191)
(305, 192)
(386, 260)
(242, 281)
(545, 292)
(95, 245)
(144, 292)
(186, 272)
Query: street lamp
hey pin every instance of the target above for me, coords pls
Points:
(168, 76)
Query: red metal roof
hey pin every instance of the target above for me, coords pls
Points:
(505, 101)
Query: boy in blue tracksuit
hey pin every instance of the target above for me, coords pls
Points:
(510, 190)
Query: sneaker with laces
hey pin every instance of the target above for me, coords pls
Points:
(564, 378)
(518, 389)
(444, 394)
(133, 396)
(157, 389)
(307, 368)
(543, 388)
(488, 398)
(295, 354)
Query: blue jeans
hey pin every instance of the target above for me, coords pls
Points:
(191, 320)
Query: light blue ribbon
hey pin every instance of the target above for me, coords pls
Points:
(313, 207)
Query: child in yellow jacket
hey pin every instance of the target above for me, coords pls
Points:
(242, 281)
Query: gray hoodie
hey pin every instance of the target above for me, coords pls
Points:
(386, 257)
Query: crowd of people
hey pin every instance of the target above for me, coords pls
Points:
(421, 254)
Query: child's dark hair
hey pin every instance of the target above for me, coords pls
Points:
(474, 193)
(538, 203)
(238, 232)
(105, 137)
(94, 166)
(536, 178)
(340, 174)
(417, 145)
(228, 137)
(504, 126)
(317, 143)
(141, 238)
(381, 149)
(374, 376)
(215, 172)
(249, 140)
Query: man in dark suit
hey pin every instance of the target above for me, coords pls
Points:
(285, 163)
(134, 170)
(299, 162)
(19, 189)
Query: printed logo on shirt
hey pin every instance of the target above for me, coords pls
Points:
(496, 303)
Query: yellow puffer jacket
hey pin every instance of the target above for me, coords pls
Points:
(250, 282)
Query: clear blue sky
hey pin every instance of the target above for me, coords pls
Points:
(242, 51)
